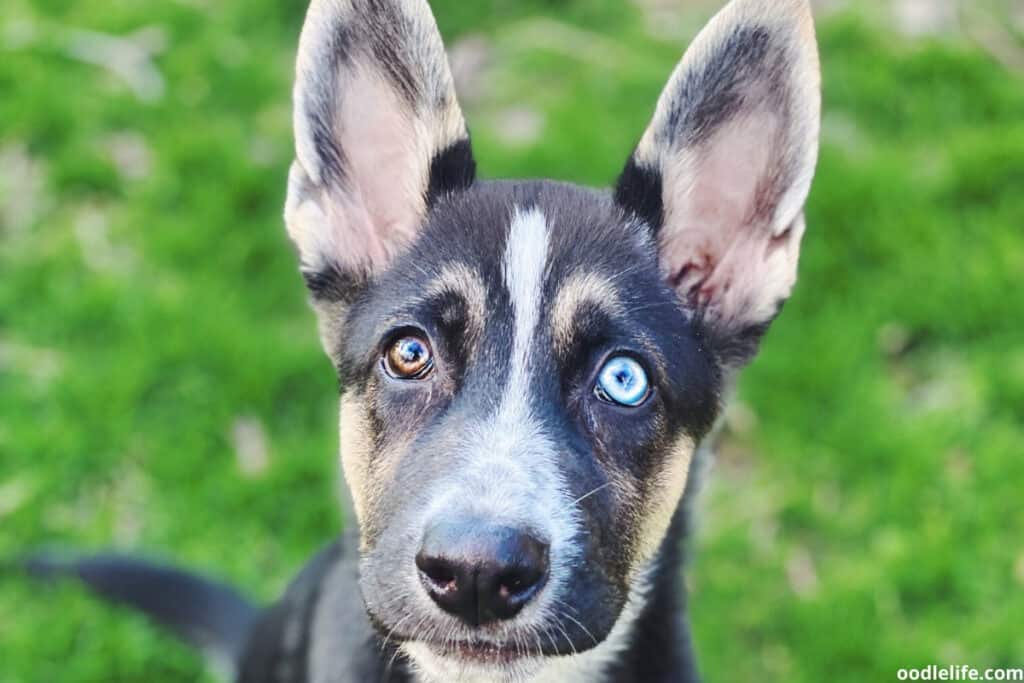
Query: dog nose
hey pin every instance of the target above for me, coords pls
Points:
(481, 573)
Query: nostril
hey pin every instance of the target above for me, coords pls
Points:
(438, 573)
(519, 581)
(516, 588)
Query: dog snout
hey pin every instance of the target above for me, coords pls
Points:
(480, 572)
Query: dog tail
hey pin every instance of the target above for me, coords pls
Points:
(207, 614)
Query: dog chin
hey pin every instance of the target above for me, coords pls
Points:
(473, 663)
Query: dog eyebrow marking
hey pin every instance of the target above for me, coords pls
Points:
(466, 283)
(526, 255)
(582, 288)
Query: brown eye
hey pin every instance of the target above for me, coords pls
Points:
(409, 357)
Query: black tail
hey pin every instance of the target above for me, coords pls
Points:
(206, 614)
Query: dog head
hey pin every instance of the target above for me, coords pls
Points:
(528, 367)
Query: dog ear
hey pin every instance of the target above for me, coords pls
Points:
(722, 172)
(379, 138)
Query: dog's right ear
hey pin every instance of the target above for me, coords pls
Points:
(379, 137)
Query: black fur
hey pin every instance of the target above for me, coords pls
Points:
(451, 170)
(639, 190)
(333, 285)
(207, 614)
(277, 646)
(739, 346)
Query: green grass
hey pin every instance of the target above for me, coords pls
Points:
(866, 512)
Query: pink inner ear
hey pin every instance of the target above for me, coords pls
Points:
(378, 210)
(719, 239)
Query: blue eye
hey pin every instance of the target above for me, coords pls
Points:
(622, 380)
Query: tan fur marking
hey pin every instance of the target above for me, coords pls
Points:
(329, 317)
(666, 492)
(359, 450)
(356, 442)
(579, 289)
(461, 280)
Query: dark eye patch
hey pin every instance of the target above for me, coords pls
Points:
(592, 328)
(595, 334)
(683, 376)
(444, 317)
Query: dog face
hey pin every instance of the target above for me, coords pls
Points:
(528, 367)
(511, 427)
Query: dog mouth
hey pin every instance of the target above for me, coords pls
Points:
(482, 652)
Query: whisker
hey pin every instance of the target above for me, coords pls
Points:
(554, 645)
(415, 633)
(450, 638)
(394, 656)
(535, 631)
(561, 627)
(576, 621)
(392, 630)
(565, 604)
(591, 492)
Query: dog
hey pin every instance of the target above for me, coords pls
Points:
(531, 371)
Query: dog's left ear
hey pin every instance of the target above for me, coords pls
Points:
(379, 137)
(723, 170)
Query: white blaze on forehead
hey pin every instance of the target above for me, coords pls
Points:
(508, 467)
(510, 459)
(526, 255)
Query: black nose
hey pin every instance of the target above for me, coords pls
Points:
(480, 572)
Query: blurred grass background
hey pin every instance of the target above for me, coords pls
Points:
(162, 389)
